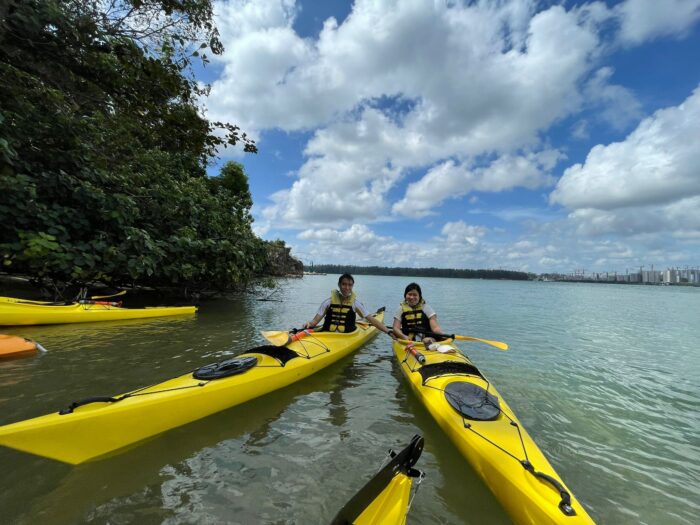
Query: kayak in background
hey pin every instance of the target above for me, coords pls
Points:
(97, 426)
(24, 312)
(488, 434)
(386, 498)
(27, 301)
(15, 346)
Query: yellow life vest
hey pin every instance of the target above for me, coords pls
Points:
(340, 315)
(413, 319)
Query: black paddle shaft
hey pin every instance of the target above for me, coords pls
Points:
(400, 463)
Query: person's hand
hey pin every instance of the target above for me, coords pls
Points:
(391, 333)
(305, 326)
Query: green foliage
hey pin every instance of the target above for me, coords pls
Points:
(103, 152)
(233, 179)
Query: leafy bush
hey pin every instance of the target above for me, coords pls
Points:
(103, 151)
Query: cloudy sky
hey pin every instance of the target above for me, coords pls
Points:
(527, 135)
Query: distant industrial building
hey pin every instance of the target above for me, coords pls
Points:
(676, 276)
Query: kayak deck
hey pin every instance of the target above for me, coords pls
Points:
(15, 312)
(499, 449)
(99, 426)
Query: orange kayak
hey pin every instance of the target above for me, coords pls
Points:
(14, 346)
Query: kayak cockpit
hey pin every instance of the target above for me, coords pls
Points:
(445, 368)
(281, 353)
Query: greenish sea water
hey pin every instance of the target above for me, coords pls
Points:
(606, 379)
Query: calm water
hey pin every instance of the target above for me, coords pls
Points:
(604, 377)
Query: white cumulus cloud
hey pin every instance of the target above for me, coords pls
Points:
(452, 99)
(657, 163)
(642, 20)
(449, 180)
(470, 80)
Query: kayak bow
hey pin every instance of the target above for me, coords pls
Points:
(488, 434)
(97, 426)
(386, 498)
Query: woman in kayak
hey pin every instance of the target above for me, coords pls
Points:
(414, 316)
(340, 310)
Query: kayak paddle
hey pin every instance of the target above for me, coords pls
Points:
(282, 338)
(495, 344)
(108, 296)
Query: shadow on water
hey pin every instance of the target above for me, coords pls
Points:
(69, 494)
(450, 478)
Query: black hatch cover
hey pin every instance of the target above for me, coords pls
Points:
(472, 401)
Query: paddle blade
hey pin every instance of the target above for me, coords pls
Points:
(276, 338)
(495, 344)
(108, 296)
(279, 338)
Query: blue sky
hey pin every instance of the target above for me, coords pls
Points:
(535, 136)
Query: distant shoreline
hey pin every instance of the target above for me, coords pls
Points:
(689, 278)
(423, 272)
(594, 281)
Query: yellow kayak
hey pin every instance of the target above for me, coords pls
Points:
(386, 498)
(98, 426)
(23, 312)
(16, 300)
(488, 434)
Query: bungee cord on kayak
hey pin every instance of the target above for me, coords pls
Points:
(79, 434)
(309, 341)
(213, 372)
(478, 420)
(565, 503)
(474, 407)
(206, 373)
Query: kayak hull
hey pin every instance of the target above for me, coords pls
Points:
(13, 346)
(494, 448)
(101, 428)
(15, 312)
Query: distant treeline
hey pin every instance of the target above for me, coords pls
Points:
(423, 272)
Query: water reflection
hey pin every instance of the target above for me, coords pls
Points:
(351, 375)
